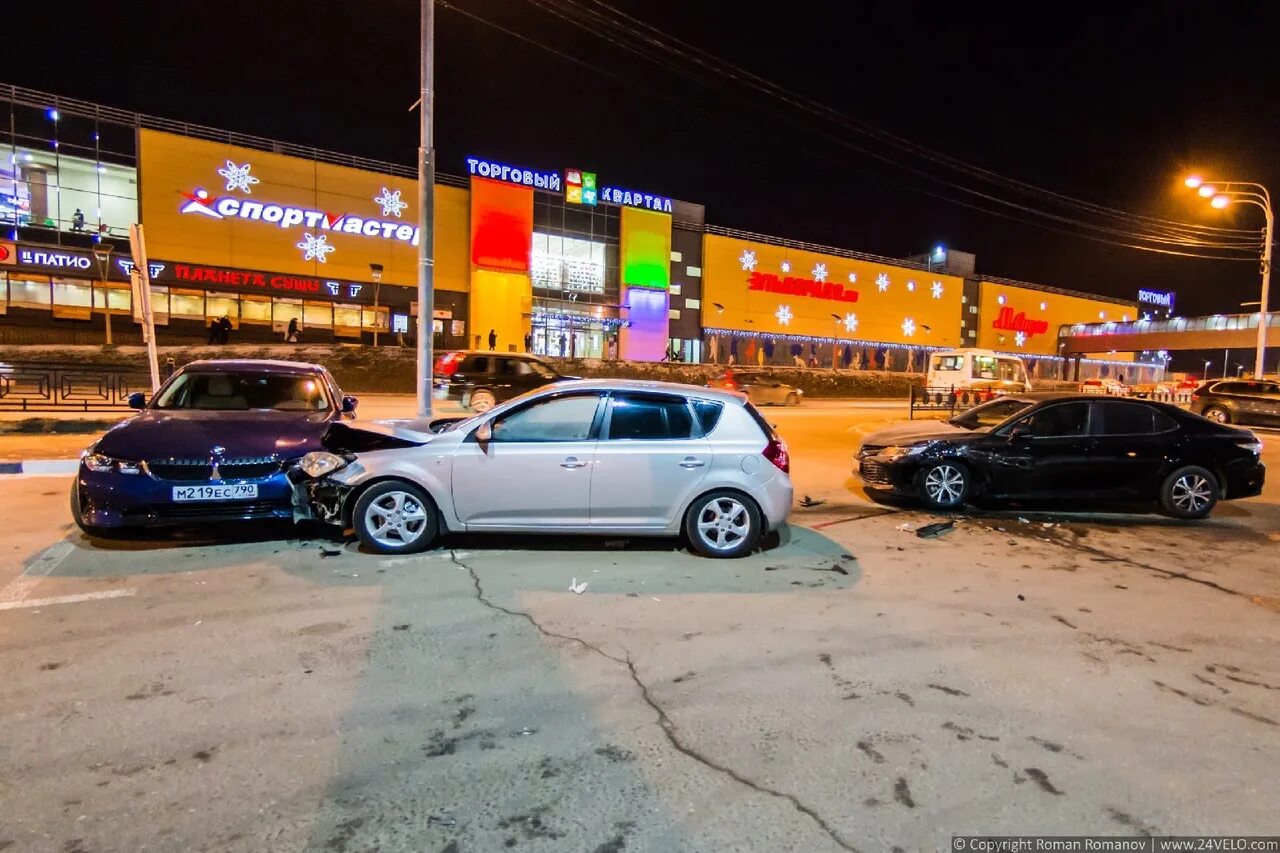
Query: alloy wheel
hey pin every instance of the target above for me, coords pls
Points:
(1216, 415)
(723, 524)
(944, 484)
(1191, 493)
(395, 519)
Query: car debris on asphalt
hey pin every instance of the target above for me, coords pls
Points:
(938, 528)
(577, 588)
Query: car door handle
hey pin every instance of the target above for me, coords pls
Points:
(690, 462)
(573, 462)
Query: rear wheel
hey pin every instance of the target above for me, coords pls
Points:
(723, 524)
(483, 401)
(1190, 492)
(1217, 414)
(944, 485)
(395, 517)
(793, 399)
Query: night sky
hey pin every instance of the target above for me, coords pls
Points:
(1113, 105)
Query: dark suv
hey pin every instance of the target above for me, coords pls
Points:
(481, 380)
(1239, 401)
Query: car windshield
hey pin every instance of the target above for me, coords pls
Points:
(988, 415)
(227, 391)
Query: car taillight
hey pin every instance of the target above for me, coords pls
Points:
(730, 384)
(447, 364)
(776, 452)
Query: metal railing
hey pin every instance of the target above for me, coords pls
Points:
(949, 399)
(56, 387)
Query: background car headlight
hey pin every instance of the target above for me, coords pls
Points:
(319, 463)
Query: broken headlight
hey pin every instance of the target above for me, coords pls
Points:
(320, 462)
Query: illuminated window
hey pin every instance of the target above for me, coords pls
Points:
(317, 314)
(568, 263)
(284, 310)
(377, 318)
(29, 292)
(186, 303)
(72, 293)
(114, 296)
(458, 328)
(255, 310)
(222, 305)
(346, 316)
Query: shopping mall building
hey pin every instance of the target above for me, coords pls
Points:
(559, 260)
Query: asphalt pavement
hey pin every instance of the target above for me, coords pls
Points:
(852, 686)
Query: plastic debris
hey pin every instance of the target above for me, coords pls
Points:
(577, 588)
(1022, 520)
(441, 820)
(807, 502)
(1047, 524)
(904, 526)
(330, 552)
(938, 528)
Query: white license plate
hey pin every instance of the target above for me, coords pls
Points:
(239, 492)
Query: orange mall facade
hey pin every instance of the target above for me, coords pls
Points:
(561, 262)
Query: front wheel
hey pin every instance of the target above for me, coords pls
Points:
(1190, 492)
(1218, 415)
(483, 401)
(723, 524)
(395, 517)
(793, 399)
(944, 485)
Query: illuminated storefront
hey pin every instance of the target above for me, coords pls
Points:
(771, 302)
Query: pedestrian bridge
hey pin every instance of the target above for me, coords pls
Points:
(1220, 331)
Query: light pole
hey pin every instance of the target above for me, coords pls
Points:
(1207, 362)
(1223, 193)
(102, 254)
(426, 208)
(375, 272)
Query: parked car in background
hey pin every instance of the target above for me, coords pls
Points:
(966, 368)
(480, 380)
(761, 387)
(1075, 447)
(1105, 385)
(212, 445)
(590, 456)
(1239, 401)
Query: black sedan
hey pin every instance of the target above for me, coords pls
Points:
(1076, 447)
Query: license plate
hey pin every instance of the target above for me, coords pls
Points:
(240, 492)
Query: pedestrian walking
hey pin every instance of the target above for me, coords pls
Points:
(77, 219)
(215, 333)
(224, 330)
(291, 336)
(493, 339)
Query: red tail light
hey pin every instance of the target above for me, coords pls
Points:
(447, 364)
(729, 384)
(776, 452)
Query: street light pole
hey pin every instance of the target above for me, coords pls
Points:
(102, 254)
(375, 272)
(426, 209)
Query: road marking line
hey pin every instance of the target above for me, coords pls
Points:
(41, 568)
(67, 599)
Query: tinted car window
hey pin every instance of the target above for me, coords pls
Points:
(989, 414)
(558, 419)
(513, 367)
(708, 414)
(1062, 419)
(1129, 419)
(475, 364)
(245, 391)
(649, 418)
(1230, 388)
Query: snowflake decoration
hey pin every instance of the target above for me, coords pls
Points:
(784, 315)
(315, 247)
(853, 278)
(1044, 306)
(1019, 338)
(748, 260)
(391, 203)
(1000, 299)
(819, 272)
(851, 322)
(882, 282)
(786, 266)
(908, 327)
(911, 286)
(238, 177)
(936, 290)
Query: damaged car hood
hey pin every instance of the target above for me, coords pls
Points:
(370, 436)
(911, 431)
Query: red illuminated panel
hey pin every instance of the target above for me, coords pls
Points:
(501, 225)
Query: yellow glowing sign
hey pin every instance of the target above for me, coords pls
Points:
(774, 290)
(1022, 319)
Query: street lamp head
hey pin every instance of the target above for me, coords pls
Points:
(1193, 181)
(375, 272)
(102, 251)
(1220, 201)
(1207, 191)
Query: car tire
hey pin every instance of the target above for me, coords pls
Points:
(793, 399)
(395, 517)
(945, 484)
(1218, 414)
(1189, 492)
(482, 401)
(723, 524)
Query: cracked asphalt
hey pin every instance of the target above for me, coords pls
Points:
(852, 687)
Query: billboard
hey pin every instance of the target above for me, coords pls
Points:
(1024, 319)
(227, 206)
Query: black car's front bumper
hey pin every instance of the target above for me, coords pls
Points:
(877, 473)
(1244, 479)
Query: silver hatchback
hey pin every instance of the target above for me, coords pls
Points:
(613, 457)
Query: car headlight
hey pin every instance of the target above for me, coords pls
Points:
(102, 463)
(893, 452)
(320, 463)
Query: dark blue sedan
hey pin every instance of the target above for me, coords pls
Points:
(212, 445)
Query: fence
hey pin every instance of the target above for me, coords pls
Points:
(948, 399)
(55, 387)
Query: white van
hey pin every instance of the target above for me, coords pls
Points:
(977, 368)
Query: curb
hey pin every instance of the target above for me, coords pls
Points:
(40, 467)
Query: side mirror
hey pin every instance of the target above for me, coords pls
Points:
(484, 433)
(349, 404)
(137, 400)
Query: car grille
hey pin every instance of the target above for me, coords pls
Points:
(241, 469)
(875, 472)
(204, 511)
